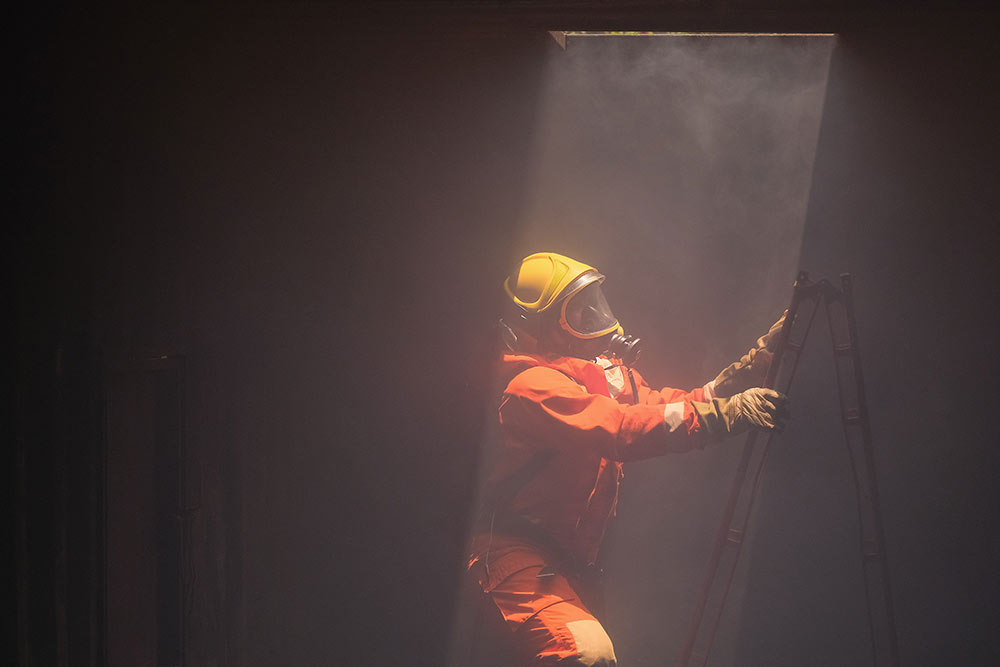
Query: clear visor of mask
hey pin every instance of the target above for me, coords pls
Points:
(588, 314)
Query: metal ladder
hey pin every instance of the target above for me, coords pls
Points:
(839, 306)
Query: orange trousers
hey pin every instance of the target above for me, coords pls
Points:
(548, 622)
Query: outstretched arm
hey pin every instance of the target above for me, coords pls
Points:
(544, 407)
(751, 369)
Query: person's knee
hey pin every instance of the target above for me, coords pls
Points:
(593, 646)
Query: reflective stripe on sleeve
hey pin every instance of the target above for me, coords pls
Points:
(673, 415)
(709, 390)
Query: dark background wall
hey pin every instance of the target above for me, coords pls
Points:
(308, 211)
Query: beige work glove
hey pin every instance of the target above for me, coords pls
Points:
(751, 369)
(756, 407)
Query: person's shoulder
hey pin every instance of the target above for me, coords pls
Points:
(542, 379)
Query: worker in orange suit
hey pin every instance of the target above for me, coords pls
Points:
(572, 411)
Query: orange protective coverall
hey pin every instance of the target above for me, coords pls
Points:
(585, 414)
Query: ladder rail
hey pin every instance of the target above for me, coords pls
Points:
(858, 441)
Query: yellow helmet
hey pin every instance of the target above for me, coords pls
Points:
(549, 290)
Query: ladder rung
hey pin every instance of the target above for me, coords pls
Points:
(851, 414)
(870, 549)
(735, 536)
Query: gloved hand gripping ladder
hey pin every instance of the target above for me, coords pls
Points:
(806, 297)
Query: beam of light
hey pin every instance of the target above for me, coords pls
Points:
(681, 168)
